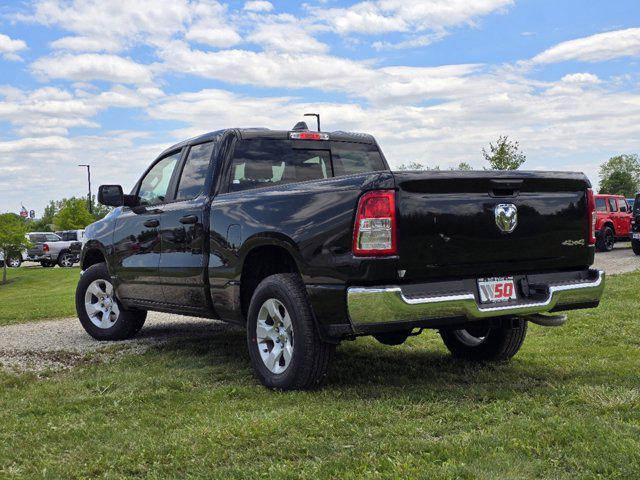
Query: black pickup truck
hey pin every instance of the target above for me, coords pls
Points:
(307, 238)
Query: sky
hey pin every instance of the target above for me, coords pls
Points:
(113, 83)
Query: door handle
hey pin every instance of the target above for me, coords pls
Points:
(151, 223)
(188, 219)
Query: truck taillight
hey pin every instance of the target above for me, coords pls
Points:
(45, 247)
(591, 209)
(374, 233)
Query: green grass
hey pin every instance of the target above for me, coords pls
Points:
(34, 293)
(566, 407)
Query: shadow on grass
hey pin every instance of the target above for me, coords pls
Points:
(221, 350)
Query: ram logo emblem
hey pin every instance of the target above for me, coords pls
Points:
(506, 217)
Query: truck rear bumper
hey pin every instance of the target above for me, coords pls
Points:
(442, 303)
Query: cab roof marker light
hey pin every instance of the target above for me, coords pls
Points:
(308, 136)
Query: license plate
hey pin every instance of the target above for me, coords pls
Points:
(636, 235)
(497, 289)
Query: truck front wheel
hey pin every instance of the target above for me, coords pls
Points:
(100, 313)
(484, 343)
(284, 346)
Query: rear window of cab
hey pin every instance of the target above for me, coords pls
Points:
(266, 162)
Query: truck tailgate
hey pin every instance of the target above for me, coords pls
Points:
(447, 223)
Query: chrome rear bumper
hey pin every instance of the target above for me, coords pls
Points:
(388, 304)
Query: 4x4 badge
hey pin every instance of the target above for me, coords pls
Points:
(506, 217)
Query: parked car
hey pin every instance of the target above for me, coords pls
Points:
(49, 249)
(631, 202)
(635, 225)
(613, 221)
(307, 239)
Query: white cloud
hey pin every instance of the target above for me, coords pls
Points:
(595, 48)
(87, 44)
(91, 66)
(581, 78)
(52, 111)
(210, 25)
(258, 6)
(222, 37)
(384, 16)
(412, 42)
(286, 33)
(334, 74)
(9, 47)
(117, 25)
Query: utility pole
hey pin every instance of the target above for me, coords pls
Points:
(317, 115)
(89, 182)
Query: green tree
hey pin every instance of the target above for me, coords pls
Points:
(99, 210)
(620, 175)
(73, 215)
(12, 238)
(464, 166)
(504, 155)
(416, 166)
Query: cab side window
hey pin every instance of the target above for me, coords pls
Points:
(154, 185)
(601, 206)
(194, 173)
(612, 205)
(622, 205)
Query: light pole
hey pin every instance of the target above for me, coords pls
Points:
(317, 115)
(89, 181)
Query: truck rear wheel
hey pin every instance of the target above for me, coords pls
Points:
(100, 313)
(635, 245)
(484, 343)
(65, 259)
(285, 348)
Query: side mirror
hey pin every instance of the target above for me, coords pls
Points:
(111, 195)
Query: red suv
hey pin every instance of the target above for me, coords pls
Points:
(613, 221)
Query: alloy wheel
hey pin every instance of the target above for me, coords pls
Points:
(274, 336)
(66, 260)
(100, 304)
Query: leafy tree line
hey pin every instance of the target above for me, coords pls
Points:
(503, 155)
(620, 175)
(68, 214)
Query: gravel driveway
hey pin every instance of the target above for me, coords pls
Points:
(60, 344)
(620, 260)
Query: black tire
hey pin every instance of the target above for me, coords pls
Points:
(606, 240)
(47, 264)
(128, 323)
(65, 259)
(14, 262)
(311, 356)
(635, 245)
(499, 344)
